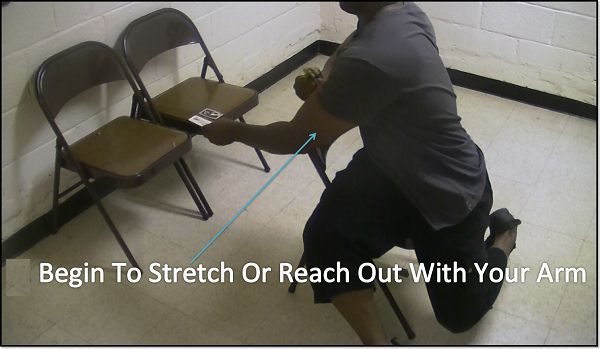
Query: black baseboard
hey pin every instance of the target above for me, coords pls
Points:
(523, 94)
(282, 70)
(41, 227)
(327, 48)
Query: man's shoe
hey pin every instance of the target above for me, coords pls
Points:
(500, 221)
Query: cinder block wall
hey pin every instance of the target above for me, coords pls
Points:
(547, 46)
(246, 39)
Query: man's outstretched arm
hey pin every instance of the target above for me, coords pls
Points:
(283, 137)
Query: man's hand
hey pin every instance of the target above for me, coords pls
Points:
(307, 83)
(220, 132)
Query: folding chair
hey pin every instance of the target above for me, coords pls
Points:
(166, 29)
(318, 157)
(124, 152)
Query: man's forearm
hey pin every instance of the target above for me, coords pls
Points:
(282, 137)
(277, 138)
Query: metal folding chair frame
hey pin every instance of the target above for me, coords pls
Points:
(64, 153)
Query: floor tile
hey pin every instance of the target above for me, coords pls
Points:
(592, 235)
(20, 325)
(528, 115)
(262, 115)
(483, 117)
(295, 320)
(510, 194)
(180, 229)
(177, 328)
(588, 259)
(537, 245)
(495, 327)
(568, 337)
(520, 150)
(264, 207)
(558, 208)
(578, 127)
(292, 219)
(240, 306)
(576, 318)
(58, 336)
(530, 300)
(114, 314)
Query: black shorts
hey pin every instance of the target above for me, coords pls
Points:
(362, 215)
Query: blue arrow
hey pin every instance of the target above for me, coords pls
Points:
(312, 137)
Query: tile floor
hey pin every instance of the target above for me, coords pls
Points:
(542, 165)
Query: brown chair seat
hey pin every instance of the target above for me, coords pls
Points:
(126, 152)
(193, 95)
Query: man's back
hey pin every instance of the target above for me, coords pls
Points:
(390, 79)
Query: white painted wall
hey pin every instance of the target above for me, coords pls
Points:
(246, 39)
(547, 46)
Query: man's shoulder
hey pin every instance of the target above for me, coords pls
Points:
(394, 59)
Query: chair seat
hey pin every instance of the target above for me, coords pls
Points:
(126, 152)
(193, 95)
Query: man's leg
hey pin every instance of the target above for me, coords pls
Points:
(325, 245)
(355, 222)
(358, 308)
(506, 241)
(459, 306)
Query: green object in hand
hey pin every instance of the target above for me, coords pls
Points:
(312, 74)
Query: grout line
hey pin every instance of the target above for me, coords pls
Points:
(523, 318)
(83, 341)
(555, 10)
(546, 161)
(552, 230)
(554, 317)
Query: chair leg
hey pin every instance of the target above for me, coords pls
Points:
(292, 288)
(111, 225)
(55, 193)
(396, 308)
(320, 167)
(196, 188)
(134, 108)
(191, 190)
(259, 153)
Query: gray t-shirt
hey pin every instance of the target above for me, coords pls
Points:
(390, 79)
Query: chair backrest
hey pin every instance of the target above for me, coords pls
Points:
(158, 32)
(75, 70)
